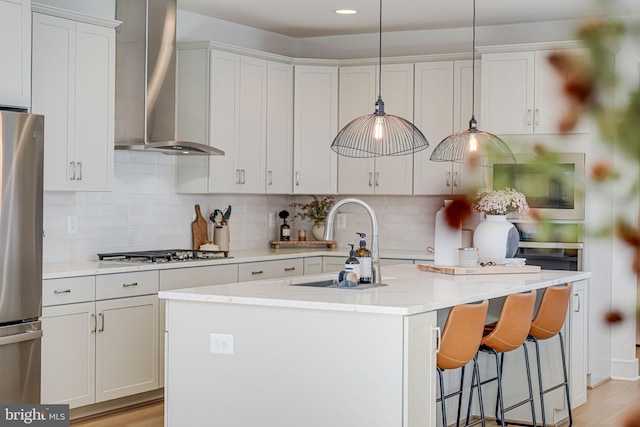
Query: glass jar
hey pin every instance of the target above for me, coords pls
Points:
(468, 257)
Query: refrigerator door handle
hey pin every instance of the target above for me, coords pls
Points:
(26, 336)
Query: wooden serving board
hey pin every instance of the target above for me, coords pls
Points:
(199, 230)
(297, 243)
(493, 269)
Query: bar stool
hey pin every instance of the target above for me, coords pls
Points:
(459, 345)
(548, 323)
(507, 334)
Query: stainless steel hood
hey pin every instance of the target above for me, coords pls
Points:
(146, 79)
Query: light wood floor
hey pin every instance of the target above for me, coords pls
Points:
(605, 406)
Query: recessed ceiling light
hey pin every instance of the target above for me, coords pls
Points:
(346, 11)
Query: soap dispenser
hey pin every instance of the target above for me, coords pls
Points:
(352, 264)
(364, 257)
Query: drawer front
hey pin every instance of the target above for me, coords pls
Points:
(68, 290)
(270, 269)
(191, 277)
(126, 284)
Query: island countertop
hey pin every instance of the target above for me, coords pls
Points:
(409, 291)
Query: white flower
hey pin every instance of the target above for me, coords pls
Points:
(500, 202)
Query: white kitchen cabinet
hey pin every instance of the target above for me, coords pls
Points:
(15, 48)
(97, 350)
(73, 85)
(68, 341)
(333, 264)
(270, 269)
(222, 100)
(279, 128)
(442, 107)
(313, 265)
(126, 346)
(358, 93)
(315, 165)
(237, 122)
(576, 358)
(522, 93)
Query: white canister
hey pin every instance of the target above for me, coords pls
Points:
(468, 257)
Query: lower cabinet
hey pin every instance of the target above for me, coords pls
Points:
(98, 350)
(262, 270)
(313, 265)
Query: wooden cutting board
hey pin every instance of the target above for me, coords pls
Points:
(199, 230)
(495, 269)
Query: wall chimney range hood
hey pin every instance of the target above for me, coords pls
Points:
(146, 80)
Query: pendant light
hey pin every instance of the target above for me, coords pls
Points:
(379, 134)
(473, 146)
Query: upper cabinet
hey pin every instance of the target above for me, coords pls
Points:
(358, 94)
(15, 49)
(231, 114)
(522, 93)
(443, 97)
(315, 115)
(279, 127)
(73, 85)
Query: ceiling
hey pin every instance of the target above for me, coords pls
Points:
(305, 18)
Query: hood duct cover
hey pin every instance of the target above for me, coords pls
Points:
(146, 79)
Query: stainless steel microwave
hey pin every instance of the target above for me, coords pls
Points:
(554, 189)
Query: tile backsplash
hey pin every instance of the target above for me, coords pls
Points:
(144, 212)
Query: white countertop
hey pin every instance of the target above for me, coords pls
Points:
(409, 291)
(62, 270)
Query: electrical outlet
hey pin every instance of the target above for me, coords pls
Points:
(72, 224)
(342, 221)
(272, 219)
(221, 343)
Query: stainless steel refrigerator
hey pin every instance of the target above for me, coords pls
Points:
(21, 174)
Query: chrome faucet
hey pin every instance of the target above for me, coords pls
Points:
(375, 255)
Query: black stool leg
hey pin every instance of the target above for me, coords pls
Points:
(537, 348)
(526, 358)
(476, 371)
(460, 396)
(442, 398)
(499, 401)
(566, 377)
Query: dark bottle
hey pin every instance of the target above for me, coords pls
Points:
(285, 229)
(364, 257)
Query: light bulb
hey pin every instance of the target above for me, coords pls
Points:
(378, 129)
(473, 143)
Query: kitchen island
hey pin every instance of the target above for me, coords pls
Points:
(271, 353)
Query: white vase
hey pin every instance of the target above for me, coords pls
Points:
(447, 240)
(317, 231)
(496, 239)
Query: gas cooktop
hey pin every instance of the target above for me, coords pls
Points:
(167, 255)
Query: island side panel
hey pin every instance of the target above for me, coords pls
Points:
(420, 374)
(289, 367)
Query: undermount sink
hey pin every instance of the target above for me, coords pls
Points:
(330, 283)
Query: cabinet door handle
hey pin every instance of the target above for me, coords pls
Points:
(270, 178)
(65, 291)
(289, 269)
(536, 117)
(577, 297)
(242, 175)
(456, 181)
(370, 179)
(257, 272)
(377, 179)
(101, 316)
(128, 285)
(448, 179)
(95, 323)
(297, 178)
(529, 117)
(72, 171)
(237, 176)
(438, 338)
(79, 175)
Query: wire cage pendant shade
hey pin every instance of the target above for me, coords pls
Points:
(473, 146)
(379, 134)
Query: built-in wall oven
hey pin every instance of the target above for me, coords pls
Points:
(557, 247)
